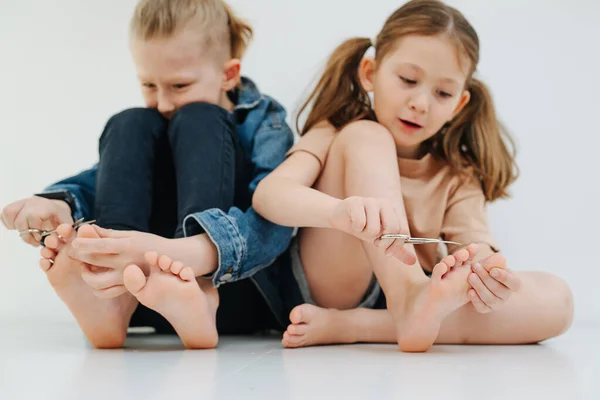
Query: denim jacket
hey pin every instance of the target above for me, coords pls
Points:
(245, 241)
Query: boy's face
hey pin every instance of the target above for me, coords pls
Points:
(174, 72)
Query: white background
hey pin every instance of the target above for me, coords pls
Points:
(65, 68)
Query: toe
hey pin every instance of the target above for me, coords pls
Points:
(439, 270)
(187, 274)
(297, 330)
(65, 231)
(151, 257)
(292, 341)
(300, 314)
(450, 261)
(176, 267)
(47, 253)
(164, 262)
(134, 279)
(45, 265)
(51, 242)
(461, 256)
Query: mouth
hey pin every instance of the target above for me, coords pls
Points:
(410, 124)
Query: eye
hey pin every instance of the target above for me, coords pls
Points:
(181, 85)
(149, 85)
(444, 94)
(408, 81)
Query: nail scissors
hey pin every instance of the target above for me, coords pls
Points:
(411, 240)
(45, 234)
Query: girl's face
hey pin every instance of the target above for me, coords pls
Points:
(176, 71)
(417, 88)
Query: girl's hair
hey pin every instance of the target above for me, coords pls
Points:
(221, 27)
(472, 142)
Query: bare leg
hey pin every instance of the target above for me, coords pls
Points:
(173, 291)
(362, 161)
(542, 309)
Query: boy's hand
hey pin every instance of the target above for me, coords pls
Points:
(368, 219)
(36, 213)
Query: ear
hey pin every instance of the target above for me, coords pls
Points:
(464, 100)
(366, 72)
(231, 74)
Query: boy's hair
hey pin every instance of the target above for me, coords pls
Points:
(472, 141)
(214, 18)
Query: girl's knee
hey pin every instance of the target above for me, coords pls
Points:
(561, 305)
(363, 135)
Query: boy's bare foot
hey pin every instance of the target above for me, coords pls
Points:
(312, 325)
(172, 291)
(103, 321)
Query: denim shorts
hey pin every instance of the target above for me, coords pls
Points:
(373, 297)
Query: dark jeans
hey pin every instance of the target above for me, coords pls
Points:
(153, 172)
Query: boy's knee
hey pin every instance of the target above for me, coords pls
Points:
(200, 110)
(138, 115)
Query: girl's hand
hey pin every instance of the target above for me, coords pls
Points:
(369, 218)
(493, 284)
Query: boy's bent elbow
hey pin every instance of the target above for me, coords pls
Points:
(260, 197)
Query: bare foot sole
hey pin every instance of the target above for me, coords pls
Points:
(172, 291)
(312, 325)
(104, 322)
(418, 325)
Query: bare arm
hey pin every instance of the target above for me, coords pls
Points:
(286, 196)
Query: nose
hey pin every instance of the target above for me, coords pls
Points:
(165, 105)
(419, 102)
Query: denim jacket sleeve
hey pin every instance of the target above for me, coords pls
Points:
(245, 241)
(83, 187)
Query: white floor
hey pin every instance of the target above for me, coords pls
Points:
(53, 362)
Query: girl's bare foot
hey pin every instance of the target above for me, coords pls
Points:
(419, 323)
(103, 321)
(172, 291)
(312, 325)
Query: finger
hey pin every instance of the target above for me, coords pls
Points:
(9, 214)
(373, 227)
(101, 280)
(479, 305)
(109, 261)
(35, 222)
(389, 223)
(111, 292)
(21, 224)
(506, 277)
(483, 292)
(402, 253)
(358, 216)
(111, 233)
(102, 246)
(495, 287)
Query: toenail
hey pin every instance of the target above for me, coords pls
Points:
(495, 273)
(478, 266)
(473, 278)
